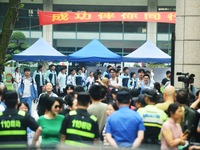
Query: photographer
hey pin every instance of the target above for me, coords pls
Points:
(189, 121)
(196, 104)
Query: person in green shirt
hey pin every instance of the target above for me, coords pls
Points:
(51, 123)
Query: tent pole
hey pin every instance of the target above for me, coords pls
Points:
(67, 68)
(122, 38)
(76, 37)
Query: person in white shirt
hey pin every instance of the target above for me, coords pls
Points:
(16, 78)
(71, 79)
(139, 80)
(115, 82)
(62, 80)
(151, 79)
(90, 80)
(84, 72)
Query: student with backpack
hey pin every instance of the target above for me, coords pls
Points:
(27, 89)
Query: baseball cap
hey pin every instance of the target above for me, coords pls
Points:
(151, 94)
(140, 99)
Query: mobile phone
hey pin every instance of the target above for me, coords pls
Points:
(186, 132)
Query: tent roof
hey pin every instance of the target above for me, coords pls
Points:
(148, 52)
(94, 52)
(40, 51)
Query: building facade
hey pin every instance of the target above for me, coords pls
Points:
(120, 37)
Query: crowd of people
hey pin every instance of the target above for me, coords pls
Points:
(113, 109)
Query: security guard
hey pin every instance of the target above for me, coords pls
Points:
(152, 116)
(14, 123)
(79, 128)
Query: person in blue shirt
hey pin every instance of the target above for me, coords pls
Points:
(80, 81)
(106, 74)
(38, 77)
(132, 81)
(125, 127)
(146, 83)
(125, 76)
(27, 89)
(51, 76)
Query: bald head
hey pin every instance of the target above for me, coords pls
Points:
(169, 92)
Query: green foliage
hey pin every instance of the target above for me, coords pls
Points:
(24, 46)
(157, 65)
(18, 35)
(136, 65)
(12, 46)
(21, 6)
(9, 57)
(16, 45)
(16, 51)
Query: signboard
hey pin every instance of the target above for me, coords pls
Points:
(47, 18)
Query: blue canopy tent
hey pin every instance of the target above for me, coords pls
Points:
(94, 52)
(148, 52)
(40, 51)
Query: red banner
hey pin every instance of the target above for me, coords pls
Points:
(47, 18)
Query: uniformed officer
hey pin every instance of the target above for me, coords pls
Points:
(152, 116)
(79, 128)
(14, 123)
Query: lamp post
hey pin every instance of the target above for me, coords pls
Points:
(30, 14)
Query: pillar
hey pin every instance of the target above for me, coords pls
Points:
(48, 29)
(187, 45)
(152, 27)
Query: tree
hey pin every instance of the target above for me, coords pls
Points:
(16, 44)
(7, 29)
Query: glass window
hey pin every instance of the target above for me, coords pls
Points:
(66, 50)
(30, 10)
(28, 16)
(81, 27)
(135, 27)
(3, 8)
(64, 27)
(165, 28)
(96, 8)
(88, 27)
(166, 8)
(111, 27)
(25, 23)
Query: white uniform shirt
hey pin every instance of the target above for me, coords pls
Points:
(27, 88)
(62, 81)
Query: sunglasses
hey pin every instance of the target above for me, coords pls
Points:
(57, 106)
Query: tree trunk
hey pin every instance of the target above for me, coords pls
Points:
(7, 29)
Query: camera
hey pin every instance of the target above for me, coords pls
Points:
(186, 78)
